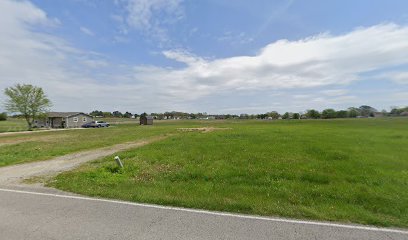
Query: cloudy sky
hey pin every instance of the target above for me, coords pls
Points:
(215, 56)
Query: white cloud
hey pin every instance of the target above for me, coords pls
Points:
(152, 16)
(398, 77)
(334, 92)
(80, 80)
(321, 60)
(87, 31)
(183, 56)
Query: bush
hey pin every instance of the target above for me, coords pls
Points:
(3, 116)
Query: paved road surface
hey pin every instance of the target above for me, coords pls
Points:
(25, 215)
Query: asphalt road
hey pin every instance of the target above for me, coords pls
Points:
(25, 215)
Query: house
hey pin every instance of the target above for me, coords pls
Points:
(378, 114)
(146, 120)
(63, 120)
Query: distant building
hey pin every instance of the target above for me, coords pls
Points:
(63, 120)
(146, 120)
(378, 114)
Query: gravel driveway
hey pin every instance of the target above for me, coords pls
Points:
(14, 175)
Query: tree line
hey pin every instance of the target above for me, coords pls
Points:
(30, 102)
(352, 112)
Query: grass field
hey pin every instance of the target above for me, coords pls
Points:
(337, 170)
(13, 125)
(42, 145)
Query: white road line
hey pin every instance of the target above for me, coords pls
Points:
(356, 227)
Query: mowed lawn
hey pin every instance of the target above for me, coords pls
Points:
(337, 170)
(43, 145)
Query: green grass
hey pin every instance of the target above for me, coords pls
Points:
(13, 125)
(337, 170)
(44, 145)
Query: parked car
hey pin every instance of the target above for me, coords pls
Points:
(96, 124)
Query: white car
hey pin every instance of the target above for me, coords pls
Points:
(96, 124)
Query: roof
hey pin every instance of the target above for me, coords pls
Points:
(64, 114)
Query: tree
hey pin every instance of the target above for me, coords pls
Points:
(28, 100)
(273, 115)
(367, 111)
(353, 112)
(261, 116)
(107, 114)
(296, 116)
(127, 115)
(117, 114)
(311, 113)
(328, 113)
(96, 113)
(3, 116)
(243, 116)
(286, 115)
(342, 114)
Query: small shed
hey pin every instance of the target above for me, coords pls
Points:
(146, 120)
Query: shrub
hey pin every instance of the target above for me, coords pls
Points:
(3, 116)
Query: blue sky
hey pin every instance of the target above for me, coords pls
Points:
(207, 56)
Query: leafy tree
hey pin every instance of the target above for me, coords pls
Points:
(28, 100)
(328, 113)
(117, 114)
(3, 116)
(127, 115)
(296, 116)
(243, 116)
(96, 113)
(107, 114)
(311, 113)
(353, 112)
(286, 115)
(342, 114)
(367, 111)
(395, 111)
(273, 114)
(262, 116)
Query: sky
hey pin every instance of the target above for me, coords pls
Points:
(214, 56)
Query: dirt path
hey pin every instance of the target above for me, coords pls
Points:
(14, 175)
